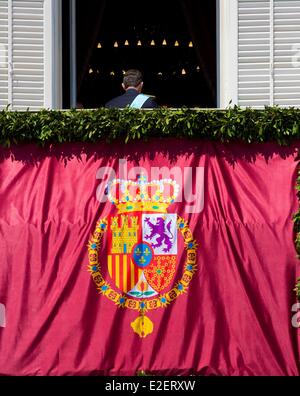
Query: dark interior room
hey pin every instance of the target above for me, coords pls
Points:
(173, 43)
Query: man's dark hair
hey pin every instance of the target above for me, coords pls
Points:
(132, 78)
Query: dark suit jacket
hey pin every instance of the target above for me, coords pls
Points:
(127, 98)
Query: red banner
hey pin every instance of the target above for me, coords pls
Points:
(173, 257)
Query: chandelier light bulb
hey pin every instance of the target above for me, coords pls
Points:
(126, 43)
(152, 42)
(191, 45)
(183, 72)
(116, 45)
(99, 45)
(164, 42)
(176, 43)
(139, 43)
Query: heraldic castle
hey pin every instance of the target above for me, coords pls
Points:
(124, 235)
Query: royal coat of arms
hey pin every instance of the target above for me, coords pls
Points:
(142, 249)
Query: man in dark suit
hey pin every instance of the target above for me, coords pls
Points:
(133, 97)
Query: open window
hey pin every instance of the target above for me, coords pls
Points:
(173, 43)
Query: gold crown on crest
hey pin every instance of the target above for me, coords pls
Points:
(141, 195)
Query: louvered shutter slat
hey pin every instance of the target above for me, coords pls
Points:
(269, 75)
(26, 78)
(286, 41)
(253, 52)
(3, 53)
(28, 54)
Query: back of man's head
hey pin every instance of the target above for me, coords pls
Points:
(132, 78)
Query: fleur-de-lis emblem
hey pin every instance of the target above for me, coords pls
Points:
(142, 260)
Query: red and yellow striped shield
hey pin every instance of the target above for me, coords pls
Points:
(123, 233)
(124, 273)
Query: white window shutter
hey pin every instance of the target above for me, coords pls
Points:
(287, 53)
(22, 46)
(254, 53)
(3, 53)
(269, 53)
(28, 54)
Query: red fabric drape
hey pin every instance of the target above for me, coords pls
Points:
(235, 318)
